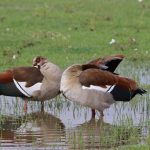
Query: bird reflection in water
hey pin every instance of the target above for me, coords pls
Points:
(96, 134)
(38, 129)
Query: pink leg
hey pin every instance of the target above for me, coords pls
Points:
(93, 113)
(25, 105)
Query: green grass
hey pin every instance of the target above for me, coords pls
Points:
(72, 31)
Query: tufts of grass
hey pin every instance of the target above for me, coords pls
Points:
(72, 31)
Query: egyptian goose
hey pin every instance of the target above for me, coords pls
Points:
(96, 86)
(51, 79)
(39, 82)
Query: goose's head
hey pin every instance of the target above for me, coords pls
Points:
(39, 61)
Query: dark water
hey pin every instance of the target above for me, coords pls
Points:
(63, 125)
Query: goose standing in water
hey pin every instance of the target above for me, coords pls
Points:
(96, 86)
(39, 82)
(50, 86)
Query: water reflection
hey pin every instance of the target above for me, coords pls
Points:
(38, 129)
(65, 125)
(96, 134)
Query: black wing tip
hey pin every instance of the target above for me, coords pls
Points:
(141, 91)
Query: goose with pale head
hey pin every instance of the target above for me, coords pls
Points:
(39, 82)
(96, 86)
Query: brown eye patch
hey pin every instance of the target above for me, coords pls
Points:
(38, 59)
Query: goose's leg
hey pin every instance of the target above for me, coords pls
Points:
(42, 106)
(102, 114)
(93, 113)
(25, 105)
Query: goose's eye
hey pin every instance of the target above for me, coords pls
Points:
(38, 60)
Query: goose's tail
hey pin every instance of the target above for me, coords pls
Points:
(140, 91)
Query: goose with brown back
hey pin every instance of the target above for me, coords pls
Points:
(96, 86)
(38, 82)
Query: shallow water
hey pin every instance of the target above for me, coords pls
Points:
(63, 125)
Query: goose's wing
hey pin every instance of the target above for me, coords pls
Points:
(108, 63)
(103, 79)
(21, 81)
(30, 75)
(6, 76)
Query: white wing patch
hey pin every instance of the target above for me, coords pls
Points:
(98, 88)
(111, 88)
(108, 88)
(27, 91)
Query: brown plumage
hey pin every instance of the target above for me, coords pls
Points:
(108, 63)
(39, 82)
(96, 86)
(6, 76)
(102, 78)
(30, 75)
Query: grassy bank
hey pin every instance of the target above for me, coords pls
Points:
(72, 31)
